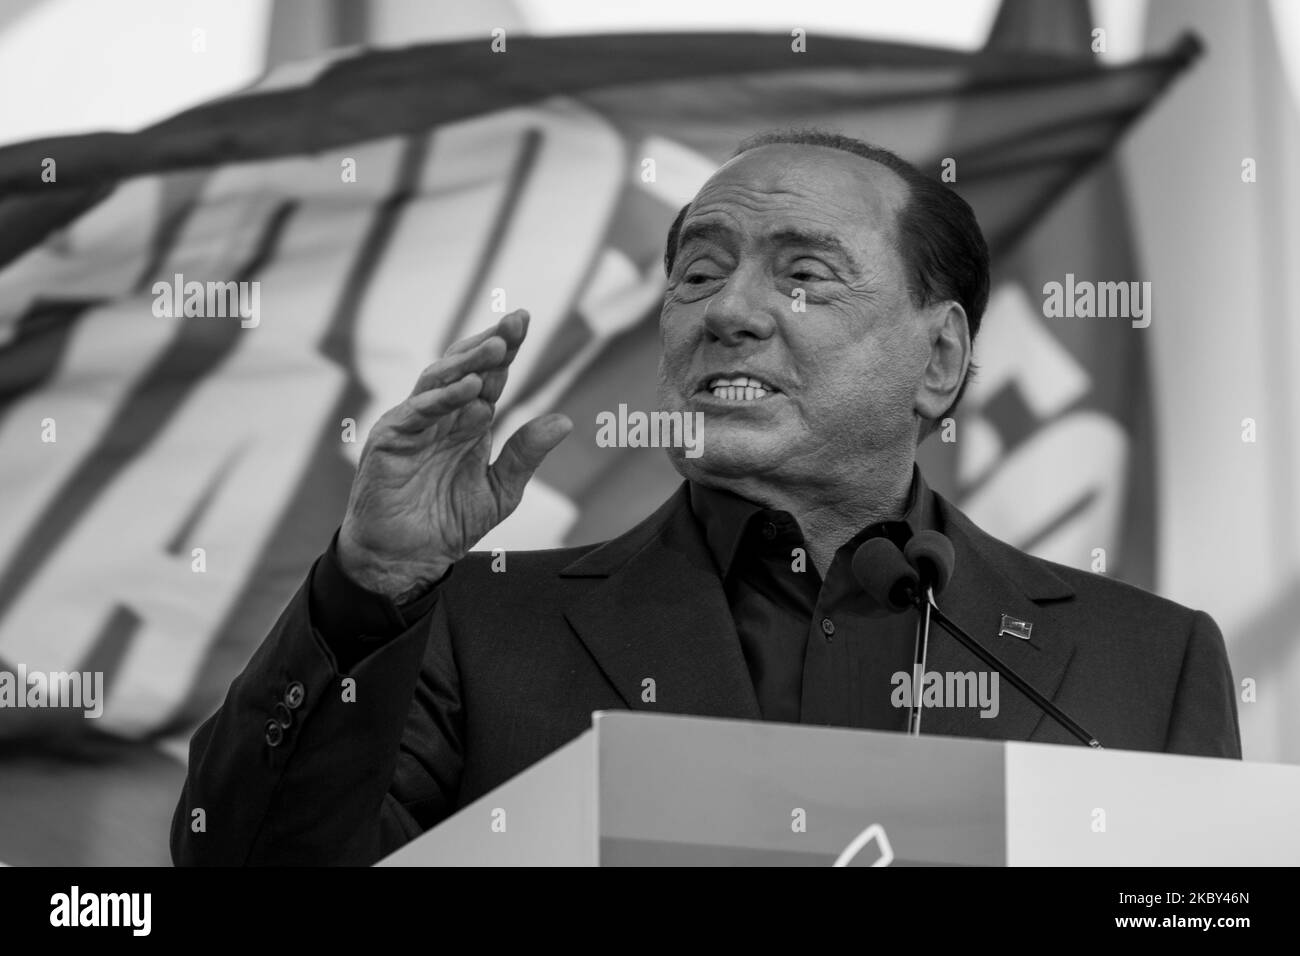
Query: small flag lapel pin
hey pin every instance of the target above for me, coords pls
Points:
(1014, 628)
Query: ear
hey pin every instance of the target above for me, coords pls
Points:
(950, 356)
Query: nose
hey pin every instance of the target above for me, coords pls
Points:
(737, 312)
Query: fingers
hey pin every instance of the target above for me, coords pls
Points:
(491, 350)
(512, 328)
(423, 409)
(513, 332)
(524, 452)
(451, 368)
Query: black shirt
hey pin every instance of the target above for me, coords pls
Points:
(816, 650)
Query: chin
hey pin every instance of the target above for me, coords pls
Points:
(728, 457)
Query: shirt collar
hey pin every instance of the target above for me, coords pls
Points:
(725, 517)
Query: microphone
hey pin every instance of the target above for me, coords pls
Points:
(878, 565)
(883, 572)
(931, 554)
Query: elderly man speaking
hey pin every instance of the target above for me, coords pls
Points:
(822, 300)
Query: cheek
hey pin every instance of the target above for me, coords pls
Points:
(672, 327)
(870, 376)
(668, 340)
(678, 338)
(674, 360)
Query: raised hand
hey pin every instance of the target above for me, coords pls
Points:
(425, 491)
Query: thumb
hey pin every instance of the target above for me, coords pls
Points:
(523, 453)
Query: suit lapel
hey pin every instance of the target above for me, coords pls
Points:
(992, 579)
(660, 614)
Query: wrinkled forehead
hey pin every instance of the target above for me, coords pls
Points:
(792, 185)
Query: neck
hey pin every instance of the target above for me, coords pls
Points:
(831, 514)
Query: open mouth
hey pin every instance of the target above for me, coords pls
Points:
(739, 388)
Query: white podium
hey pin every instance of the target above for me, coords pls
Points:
(643, 789)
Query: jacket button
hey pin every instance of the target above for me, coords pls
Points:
(828, 626)
(294, 695)
(283, 715)
(274, 734)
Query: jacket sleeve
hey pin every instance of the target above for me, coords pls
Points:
(307, 763)
(1203, 720)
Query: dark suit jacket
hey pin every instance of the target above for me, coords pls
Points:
(509, 666)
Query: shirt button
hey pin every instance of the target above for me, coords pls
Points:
(294, 695)
(274, 734)
(828, 626)
(769, 531)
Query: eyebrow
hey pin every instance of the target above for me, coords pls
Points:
(816, 241)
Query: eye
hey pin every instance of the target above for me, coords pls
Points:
(806, 271)
(700, 270)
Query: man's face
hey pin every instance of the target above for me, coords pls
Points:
(839, 378)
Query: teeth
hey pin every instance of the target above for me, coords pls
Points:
(739, 381)
(737, 393)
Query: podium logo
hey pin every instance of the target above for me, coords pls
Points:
(871, 844)
(949, 689)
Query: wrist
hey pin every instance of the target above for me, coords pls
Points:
(398, 581)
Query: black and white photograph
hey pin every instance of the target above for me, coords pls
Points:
(560, 433)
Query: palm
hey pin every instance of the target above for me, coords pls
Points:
(426, 489)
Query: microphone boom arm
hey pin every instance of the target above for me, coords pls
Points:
(989, 658)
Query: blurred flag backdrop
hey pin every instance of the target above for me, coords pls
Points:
(388, 203)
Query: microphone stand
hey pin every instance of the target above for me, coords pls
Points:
(918, 661)
(989, 658)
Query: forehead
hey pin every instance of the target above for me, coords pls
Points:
(795, 185)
